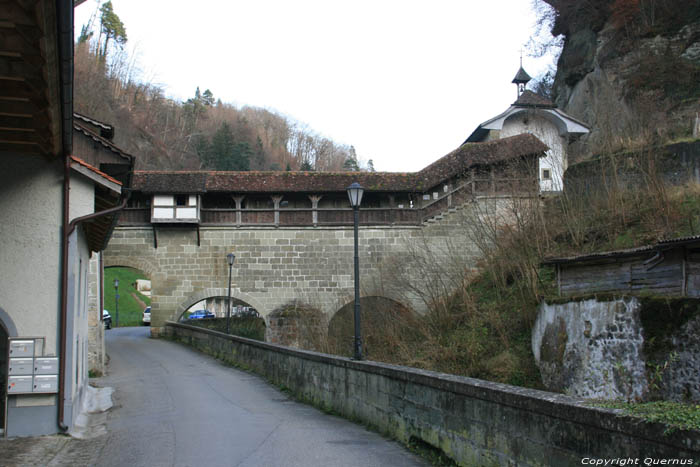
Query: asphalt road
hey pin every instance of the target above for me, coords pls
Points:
(174, 406)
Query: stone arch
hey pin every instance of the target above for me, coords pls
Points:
(7, 325)
(380, 331)
(202, 294)
(142, 264)
(340, 304)
(7, 329)
(297, 324)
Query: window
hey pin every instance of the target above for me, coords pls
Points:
(546, 174)
(181, 200)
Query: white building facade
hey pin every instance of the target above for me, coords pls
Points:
(532, 113)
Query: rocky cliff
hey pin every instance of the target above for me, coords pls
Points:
(629, 68)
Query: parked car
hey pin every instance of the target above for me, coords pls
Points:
(146, 320)
(201, 314)
(107, 319)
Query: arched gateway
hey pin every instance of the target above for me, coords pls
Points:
(292, 232)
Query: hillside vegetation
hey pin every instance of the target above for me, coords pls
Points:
(200, 133)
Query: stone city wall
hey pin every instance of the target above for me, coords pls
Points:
(277, 266)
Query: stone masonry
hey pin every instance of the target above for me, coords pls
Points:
(275, 266)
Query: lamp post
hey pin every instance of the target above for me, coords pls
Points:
(230, 257)
(355, 192)
(116, 300)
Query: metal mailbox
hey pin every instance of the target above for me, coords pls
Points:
(46, 383)
(19, 384)
(21, 366)
(22, 348)
(45, 366)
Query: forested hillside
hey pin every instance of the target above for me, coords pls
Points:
(200, 133)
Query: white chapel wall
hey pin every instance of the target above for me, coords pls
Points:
(547, 132)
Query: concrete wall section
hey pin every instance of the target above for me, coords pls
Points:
(96, 330)
(628, 348)
(474, 422)
(30, 244)
(76, 356)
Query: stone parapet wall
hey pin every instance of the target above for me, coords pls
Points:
(474, 422)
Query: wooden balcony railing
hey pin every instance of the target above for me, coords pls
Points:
(344, 216)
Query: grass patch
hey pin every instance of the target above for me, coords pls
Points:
(130, 308)
(675, 415)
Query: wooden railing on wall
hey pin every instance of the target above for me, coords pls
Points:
(344, 216)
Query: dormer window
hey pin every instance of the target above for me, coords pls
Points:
(179, 208)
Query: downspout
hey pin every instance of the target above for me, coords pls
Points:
(69, 228)
(64, 14)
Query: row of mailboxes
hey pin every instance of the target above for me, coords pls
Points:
(34, 384)
(33, 366)
(30, 374)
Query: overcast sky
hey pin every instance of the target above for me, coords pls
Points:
(405, 82)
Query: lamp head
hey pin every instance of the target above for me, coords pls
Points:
(355, 192)
(116, 283)
(230, 257)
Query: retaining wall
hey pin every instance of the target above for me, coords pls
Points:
(474, 422)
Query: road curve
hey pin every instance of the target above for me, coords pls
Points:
(174, 406)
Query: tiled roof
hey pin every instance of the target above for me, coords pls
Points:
(466, 156)
(530, 99)
(95, 170)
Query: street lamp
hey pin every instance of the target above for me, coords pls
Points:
(355, 192)
(230, 257)
(116, 299)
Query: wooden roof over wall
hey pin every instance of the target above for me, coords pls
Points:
(453, 164)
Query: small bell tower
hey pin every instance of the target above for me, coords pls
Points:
(521, 78)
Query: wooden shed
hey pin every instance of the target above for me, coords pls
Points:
(669, 267)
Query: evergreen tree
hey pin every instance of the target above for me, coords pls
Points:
(208, 98)
(370, 166)
(350, 163)
(225, 153)
(111, 26)
(306, 166)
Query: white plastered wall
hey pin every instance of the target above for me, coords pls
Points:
(547, 132)
(30, 244)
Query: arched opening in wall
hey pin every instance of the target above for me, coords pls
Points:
(300, 325)
(129, 304)
(4, 342)
(210, 313)
(389, 330)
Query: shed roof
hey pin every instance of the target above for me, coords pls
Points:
(454, 163)
(660, 245)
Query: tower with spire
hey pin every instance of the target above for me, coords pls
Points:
(535, 114)
(521, 79)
